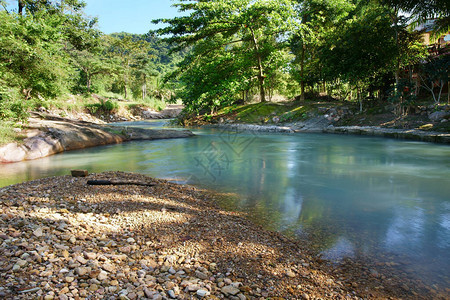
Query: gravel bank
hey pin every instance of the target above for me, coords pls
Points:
(63, 239)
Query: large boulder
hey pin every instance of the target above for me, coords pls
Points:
(438, 116)
(55, 135)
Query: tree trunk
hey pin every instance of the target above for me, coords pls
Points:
(144, 88)
(358, 91)
(144, 91)
(88, 84)
(394, 19)
(21, 6)
(262, 93)
(302, 73)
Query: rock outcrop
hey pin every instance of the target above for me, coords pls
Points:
(49, 135)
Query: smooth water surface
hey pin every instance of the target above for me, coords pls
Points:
(351, 196)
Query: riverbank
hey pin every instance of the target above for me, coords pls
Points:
(46, 135)
(426, 123)
(318, 127)
(61, 238)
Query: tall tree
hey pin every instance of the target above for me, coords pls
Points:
(260, 25)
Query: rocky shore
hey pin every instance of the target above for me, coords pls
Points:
(63, 239)
(48, 134)
(321, 125)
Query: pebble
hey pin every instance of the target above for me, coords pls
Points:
(201, 275)
(38, 232)
(81, 260)
(230, 290)
(290, 274)
(102, 276)
(203, 293)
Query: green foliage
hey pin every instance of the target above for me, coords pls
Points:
(434, 74)
(103, 107)
(7, 134)
(361, 49)
(235, 44)
(403, 95)
(11, 106)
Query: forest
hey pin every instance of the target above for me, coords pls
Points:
(219, 53)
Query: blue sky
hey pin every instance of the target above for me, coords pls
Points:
(133, 16)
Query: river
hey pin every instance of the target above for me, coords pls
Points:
(379, 199)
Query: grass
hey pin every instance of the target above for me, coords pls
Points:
(7, 134)
(154, 103)
(267, 112)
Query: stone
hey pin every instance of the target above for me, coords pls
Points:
(90, 255)
(79, 173)
(242, 297)
(230, 290)
(203, 293)
(93, 287)
(192, 288)
(201, 275)
(290, 274)
(126, 249)
(437, 116)
(69, 279)
(171, 294)
(81, 260)
(81, 271)
(38, 232)
(102, 276)
(108, 267)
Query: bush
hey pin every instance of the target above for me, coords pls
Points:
(7, 134)
(103, 107)
(12, 107)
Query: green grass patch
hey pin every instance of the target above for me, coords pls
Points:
(266, 112)
(7, 134)
(151, 102)
(103, 107)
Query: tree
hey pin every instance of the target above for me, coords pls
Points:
(260, 28)
(361, 49)
(125, 47)
(317, 17)
(435, 74)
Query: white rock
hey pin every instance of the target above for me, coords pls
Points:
(38, 232)
(203, 293)
(102, 276)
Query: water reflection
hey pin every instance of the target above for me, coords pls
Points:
(351, 196)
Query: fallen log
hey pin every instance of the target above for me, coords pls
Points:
(109, 182)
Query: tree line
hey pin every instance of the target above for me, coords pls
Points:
(51, 48)
(346, 49)
(224, 52)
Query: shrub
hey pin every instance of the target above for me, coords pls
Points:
(103, 107)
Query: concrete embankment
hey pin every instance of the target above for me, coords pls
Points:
(48, 135)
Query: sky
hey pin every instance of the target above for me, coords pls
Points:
(133, 16)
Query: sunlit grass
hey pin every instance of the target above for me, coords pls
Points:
(7, 134)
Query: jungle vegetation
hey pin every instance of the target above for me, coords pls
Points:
(222, 52)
